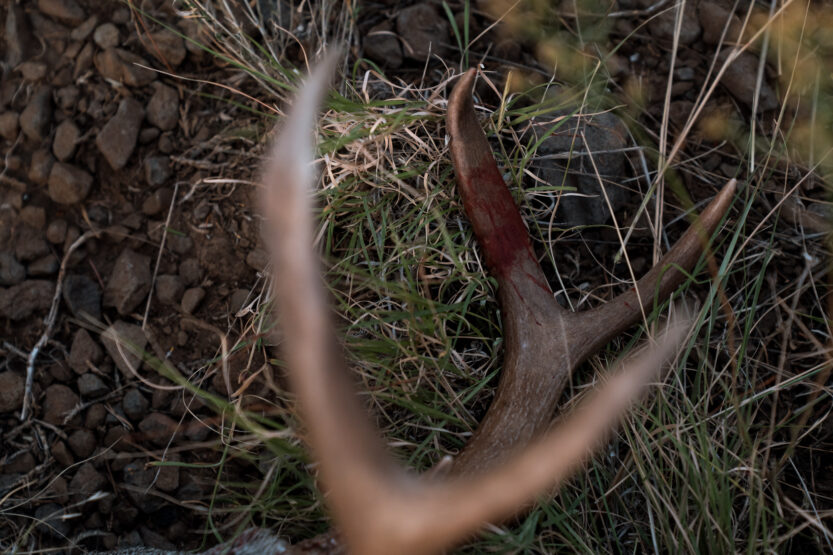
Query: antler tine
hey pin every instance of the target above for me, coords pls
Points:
(378, 507)
(543, 342)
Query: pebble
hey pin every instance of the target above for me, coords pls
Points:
(12, 272)
(190, 272)
(86, 482)
(30, 243)
(158, 428)
(40, 166)
(60, 372)
(37, 116)
(237, 300)
(191, 299)
(168, 477)
(20, 301)
(91, 386)
(66, 11)
(148, 135)
(134, 404)
(11, 391)
(9, 125)
(157, 170)
(167, 47)
(32, 71)
(95, 416)
(82, 442)
(123, 352)
(83, 297)
(258, 259)
(163, 107)
(65, 141)
(158, 201)
(61, 453)
(180, 244)
(45, 266)
(20, 463)
(59, 401)
(713, 18)
(381, 45)
(50, 521)
(20, 41)
(121, 66)
(106, 36)
(83, 31)
(84, 351)
(423, 31)
(169, 288)
(35, 216)
(67, 97)
(56, 231)
(68, 184)
(117, 138)
(129, 282)
(741, 80)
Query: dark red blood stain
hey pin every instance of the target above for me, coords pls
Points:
(494, 217)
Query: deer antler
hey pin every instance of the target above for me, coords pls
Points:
(379, 507)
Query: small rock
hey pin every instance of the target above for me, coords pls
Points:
(32, 71)
(86, 482)
(35, 216)
(137, 475)
(60, 371)
(11, 391)
(158, 428)
(741, 80)
(167, 47)
(663, 25)
(83, 63)
(36, 117)
(29, 243)
(12, 272)
(606, 137)
(117, 138)
(61, 453)
(84, 351)
(129, 282)
(46, 266)
(9, 125)
(56, 231)
(134, 404)
(423, 31)
(180, 244)
(65, 141)
(381, 45)
(124, 343)
(60, 400)
(189, 271)
(41, 166)
(20, 463)
(20, 41)
(158, 201)
(106, 36)
(66, 11)
(148, 135)
(82, 442)
(237, 300)
(157, 171)
(191, 299)
(168, 477)
(713, 18)
(67, 97)
(168, 288)
(124, 67)
(95, 416)
(68, 184)
(50, 521)
(258, 259)
(20, 301)
(83, 31)
(91, 386)
(163, 107)
(83, 297)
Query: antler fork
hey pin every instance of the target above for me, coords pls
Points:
(379, 507)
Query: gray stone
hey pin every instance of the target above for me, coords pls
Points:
(125, 344)
(59, 401)
(106, 36)
(83, 31)
(168, 47)
(68, 184)
(56, 231)
(423, 31)
(191, 299)
(11, 391)
(9, 125)
(65, 141)
(168, 288)
(37, 116)
(382, 46)
(12, 272)
(83, 297)
(117, 138)
(124, 67)
(158, 201)
(129, 282)
(41, 166)
(91, 386)
(86, 482)
(163, 107)
(157, 171)
(45, 266)
(741, 79)
(50, 521)
(84, 351)
(20, 301)
(29, 243)
(190, 272)
(134, 404)
(66, 11)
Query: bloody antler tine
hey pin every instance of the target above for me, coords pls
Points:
(543, 342)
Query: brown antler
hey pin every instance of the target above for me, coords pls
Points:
(379, 507)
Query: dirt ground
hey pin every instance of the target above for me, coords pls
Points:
(128, 205)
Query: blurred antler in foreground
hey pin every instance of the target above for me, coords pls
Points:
(378, 506)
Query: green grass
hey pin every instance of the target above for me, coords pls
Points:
(698, 467)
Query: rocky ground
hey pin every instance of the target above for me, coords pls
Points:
(113, 222)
